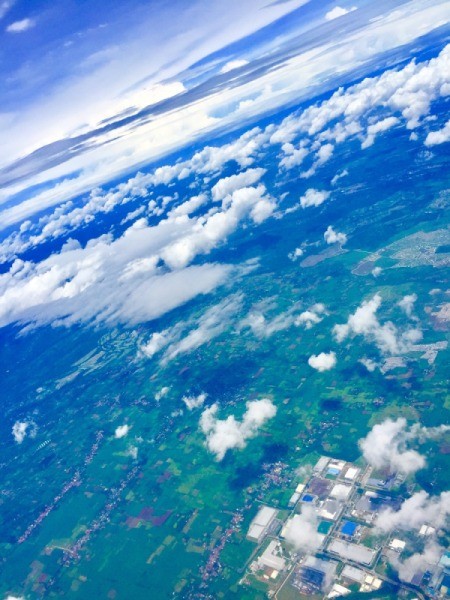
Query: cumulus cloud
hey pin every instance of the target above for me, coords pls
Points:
(311, 317)
(162, 393)
(295, 254)
(225, 434)
(419, 509)
(293, 156)
(434, 138)
(338, 11)
(227, 185)
(208, 233)
(323, 361)
(156, 343)
(334, 237)
(379, 127)
(386, 336)
(20, 26)
(407, 304)
(388, 445)
(376, 271)
(324, 154)
(19, 430)
(313, 197)
(301, 531)
(370, 364)
(194, 401)
(121, 431)
(189, 206)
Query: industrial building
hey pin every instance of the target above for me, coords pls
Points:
(354, 552)
(261, 523)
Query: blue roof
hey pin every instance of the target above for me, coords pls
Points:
(333, 471)
(307, 498)
(349, 528)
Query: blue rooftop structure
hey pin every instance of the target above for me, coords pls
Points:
(307, 498)
(349, 528)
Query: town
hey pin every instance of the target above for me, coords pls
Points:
(326, 544)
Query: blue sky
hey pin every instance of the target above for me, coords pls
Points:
(94, 90)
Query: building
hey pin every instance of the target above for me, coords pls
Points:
(340, 491)
(337, 591)
(272, 558)
(330, 509)
(348, 529)
(294, 499)
(321, 464)
(261, 523)
(397, 545)
(316, 574)
(353, 574)
(354, 552)
(351, 474)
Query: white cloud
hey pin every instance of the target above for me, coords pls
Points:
(387, 337)
(324, 154)
(295, 254)
(310, 317)
(20, 26)
(323, 361)
(441, 136)
(376, 271)
(5, 5)
(301, 531)
(334, 237)
(156, 343)
(415, 511)
(407, 304)
(207, 233)
(226, 186)
(313, 197)
(379, 127)
(19, 430)
(262, 326)
(107, 280)
(293, 156)
(409, 92)
(338, 176)
(338, 11)
(233, 64)
(194, 401)
(162, 393)
(388, 445)
(225, 434)
(121, 431)
(417, 562)
(211, 324)
(370, 364)
(133, 451)
(189, 206)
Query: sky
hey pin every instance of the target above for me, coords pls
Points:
(94, 91)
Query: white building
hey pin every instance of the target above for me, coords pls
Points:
(260, 524)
